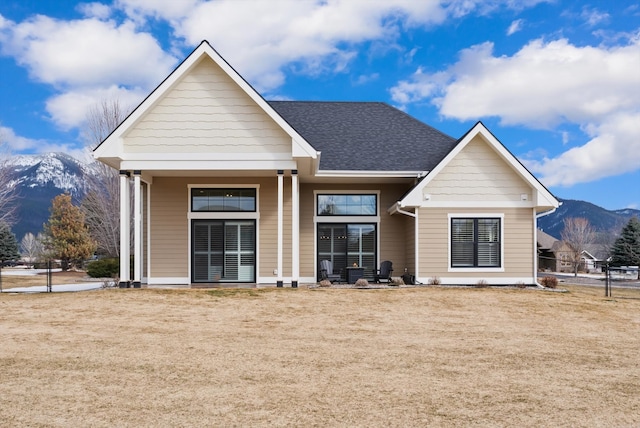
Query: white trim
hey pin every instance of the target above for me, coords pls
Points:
(280, 236)
(295, 227)
(148, 231)
(416, 244)
(478, 270)
(476, 204)
(369, 174)
(209, 165)
(124, 228)
(137, 228)
(490, 280)
(535, 244)
(206, 156)
(223, 215)
(159, 280)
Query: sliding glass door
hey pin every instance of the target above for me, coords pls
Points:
(223, 251)
(346, 244)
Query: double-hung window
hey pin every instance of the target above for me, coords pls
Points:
(476, 242)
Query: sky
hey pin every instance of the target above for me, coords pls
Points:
(557, 82)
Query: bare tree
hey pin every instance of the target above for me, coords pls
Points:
(102, 202)
(8, 190)
(577, 234)
(32, 247)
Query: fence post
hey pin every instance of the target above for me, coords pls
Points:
(49, 285)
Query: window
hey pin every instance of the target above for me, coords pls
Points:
(346, 244)
(475, 243)
(347, 204)
(223, 200)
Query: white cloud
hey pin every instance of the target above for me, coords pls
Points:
(541, 86)
(86, 52)
(315, 36)
(84, 58)
(69, 109)
(16, 143)
(593, 17)
(515, 27)
(94, 10)
(613, 150)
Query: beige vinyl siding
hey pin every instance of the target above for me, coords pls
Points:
(477, 173)
(307, 231)
(410, 240)
(170, 224)
(206, 111)
(269, 228)
(517, 234)
(392, 229)
(169, 228)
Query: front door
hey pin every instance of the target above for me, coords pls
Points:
(223, 251)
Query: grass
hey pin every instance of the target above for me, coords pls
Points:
(323, 357)
(11, 281)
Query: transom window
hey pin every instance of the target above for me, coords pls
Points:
(223, 200)
(475, 242)
(347, 204)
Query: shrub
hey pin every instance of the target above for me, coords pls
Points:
(434, 281)
(361, 282)
(482, 284)
(549, 281)
(521, 284)
(104, 268)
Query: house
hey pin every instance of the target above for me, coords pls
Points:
(556, 256)
(228, 187)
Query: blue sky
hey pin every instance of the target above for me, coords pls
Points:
(557, 82)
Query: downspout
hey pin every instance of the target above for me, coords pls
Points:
(535, 243)
(396, 209)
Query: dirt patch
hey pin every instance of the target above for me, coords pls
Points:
(299, 357)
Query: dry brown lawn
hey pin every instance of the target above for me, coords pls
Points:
(431, 356)
(57, 278)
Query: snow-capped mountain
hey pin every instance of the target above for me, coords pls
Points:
(39, 179)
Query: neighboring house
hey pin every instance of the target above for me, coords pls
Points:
(555, 255)
(228, 187)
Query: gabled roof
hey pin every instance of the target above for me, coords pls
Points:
(111, 147)
(545, 241)
(366, 136)
(542, 198)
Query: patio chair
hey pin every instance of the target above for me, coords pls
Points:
(384, 273)
(326, 272)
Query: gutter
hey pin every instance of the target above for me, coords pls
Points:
(395, 208)
(551, 211)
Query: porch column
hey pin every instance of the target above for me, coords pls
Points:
(124, 229)
(295, 229)
(137, 229)
(280, 224)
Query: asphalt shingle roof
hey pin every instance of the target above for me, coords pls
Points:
(366, 136)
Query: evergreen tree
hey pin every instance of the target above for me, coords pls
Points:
(8, 247)
(626, 249)
(66, 235)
